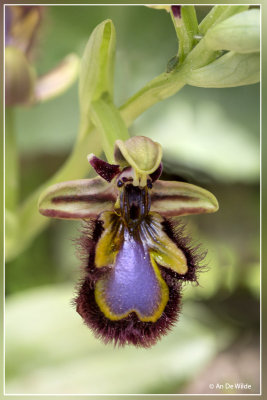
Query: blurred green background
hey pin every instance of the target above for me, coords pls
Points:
(210, 137)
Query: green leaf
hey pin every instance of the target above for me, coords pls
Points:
(172, 199)
(240, 33)
(84, 198)
(230, 70)
(50, 350)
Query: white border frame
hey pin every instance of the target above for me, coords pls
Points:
(260, 232)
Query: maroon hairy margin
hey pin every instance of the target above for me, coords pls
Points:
(175, 229)
(130, 330)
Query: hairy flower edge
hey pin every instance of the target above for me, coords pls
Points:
(130, 330)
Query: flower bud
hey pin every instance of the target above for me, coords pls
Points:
(240, 33)
(22, 24)
(19, 77)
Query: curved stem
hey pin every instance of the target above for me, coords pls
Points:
(160, 88)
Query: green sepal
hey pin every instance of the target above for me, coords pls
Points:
(171, 199)
(79, 199)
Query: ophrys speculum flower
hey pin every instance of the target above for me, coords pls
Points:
(135, 255)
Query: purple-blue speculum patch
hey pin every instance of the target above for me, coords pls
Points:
(135, 257)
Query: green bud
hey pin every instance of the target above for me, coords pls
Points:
(240, 33)
(97, 66)
(19, 77)
(231, 69)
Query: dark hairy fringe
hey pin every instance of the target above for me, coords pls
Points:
(193, 252)
(131, 330)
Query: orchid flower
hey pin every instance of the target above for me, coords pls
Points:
(135, 258)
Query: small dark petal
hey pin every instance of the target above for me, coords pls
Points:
(193, 253)
(156, 174)
(104, 169)
(149, 184)
(176, 10)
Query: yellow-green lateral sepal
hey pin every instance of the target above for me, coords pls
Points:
(110, 241)
(80, 199)
(171, 199)
(140, 153)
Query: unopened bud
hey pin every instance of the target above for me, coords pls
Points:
(19, 77)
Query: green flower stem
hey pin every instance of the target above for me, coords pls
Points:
(109, 123)
(11, 162)
(186, 28)
(160, 88)
(166, 84)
